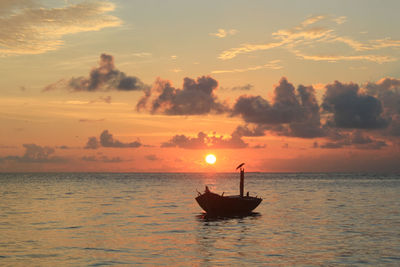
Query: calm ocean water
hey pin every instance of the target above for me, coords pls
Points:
(81, 219)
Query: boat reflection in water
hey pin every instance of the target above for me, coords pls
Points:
(205, 217)
(215, 204)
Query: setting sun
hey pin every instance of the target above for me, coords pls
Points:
(211, 159)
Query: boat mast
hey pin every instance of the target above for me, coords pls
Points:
(241, 178)
(241, 181)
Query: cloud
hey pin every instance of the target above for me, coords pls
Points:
(103, 78)
(29, 28)
(387, 90)
(92, 143)
(176, 70)
(333, 58)
(104, 159)
(246, 87)
(245, 130)
(314, 31)
(204, 141)
(356, 139)
(105, 99)
(352, 108)
(247, 48)
(91, 120)
(142, 54)
(63, 147)
(308, 124)
(152, 157)
(340, 20)
(259, 146)
(270, 65)
(299, 112)
(36, 154)
(197, 97)
(107, 140)
(222, 33)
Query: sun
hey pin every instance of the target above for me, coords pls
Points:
(211, 159)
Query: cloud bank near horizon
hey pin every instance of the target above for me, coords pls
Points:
(292, 111)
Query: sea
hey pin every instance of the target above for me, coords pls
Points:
(147, 219)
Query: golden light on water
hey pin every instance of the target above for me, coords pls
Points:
(211, 159)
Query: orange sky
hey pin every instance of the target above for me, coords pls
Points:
(149, 86)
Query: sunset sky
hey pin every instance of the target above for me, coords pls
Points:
(154, 86)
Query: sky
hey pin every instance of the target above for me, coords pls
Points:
(155, 86)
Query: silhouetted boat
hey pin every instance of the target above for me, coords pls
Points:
(215, 204)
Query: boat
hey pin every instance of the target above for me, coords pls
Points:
(215, 204)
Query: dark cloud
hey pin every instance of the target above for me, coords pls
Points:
(152, 157)
(104, 159)
(259, 146)
(89, 158)
(203, 141)
(245, 130)
(387, 90)
(255, 109)
(394, 128)
(7, 146)
(246, 87)
(107, 140)
(351, 108)
(36, 154)
(195, 98)
(308, 123)
(64, 147)
(290, 114)
(355, 139)
(103, 78)
(92, 143)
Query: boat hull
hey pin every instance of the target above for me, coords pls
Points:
(227, 205)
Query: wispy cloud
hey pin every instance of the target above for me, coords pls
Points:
(314, 31)
(340, 20)
(222, 33)
(176, 70)
(142, 54)
(333, 58)
(270, 65)
(28, 28)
